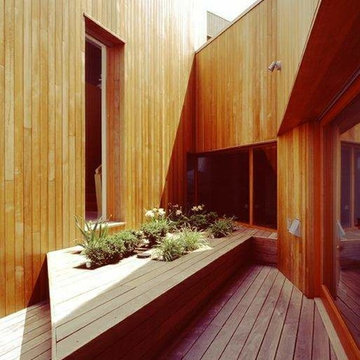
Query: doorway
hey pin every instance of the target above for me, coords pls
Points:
(95, 129)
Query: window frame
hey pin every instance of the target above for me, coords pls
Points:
(250, 148)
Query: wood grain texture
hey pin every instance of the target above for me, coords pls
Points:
(298, 191)
(26, 334)
(42, 135)
(122, 308)
(294, 21)
(239, 101)
(258, 315)
(330, 61)
(235, 105)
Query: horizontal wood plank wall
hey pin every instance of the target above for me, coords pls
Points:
(298, 189)
(294, 20)
(42, 45)
(235, 91)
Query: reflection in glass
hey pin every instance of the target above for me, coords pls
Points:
(345, 185)
(347, 274)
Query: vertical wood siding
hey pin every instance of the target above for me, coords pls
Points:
(235, 91)
(42, 98)
(299, 172)
(238, 100)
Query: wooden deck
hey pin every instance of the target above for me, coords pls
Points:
(26, 334)
(348, 300)
(260, 315)
(107, 310)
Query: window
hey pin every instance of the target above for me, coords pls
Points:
(241, 183)
(223, 184)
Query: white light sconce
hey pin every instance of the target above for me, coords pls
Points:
(275, 65)
(340, 230)
(295, 227)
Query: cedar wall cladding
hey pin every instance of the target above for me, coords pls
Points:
(238, 100)
(42, 135)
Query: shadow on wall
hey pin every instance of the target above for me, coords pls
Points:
(35, 324)
(174, 190)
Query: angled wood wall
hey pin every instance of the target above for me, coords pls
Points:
(236, 94)
(238, 100)
(42, 128)
(294, 19)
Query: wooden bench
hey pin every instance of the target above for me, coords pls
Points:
(137, 305)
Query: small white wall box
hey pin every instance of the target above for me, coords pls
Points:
(295, 227)
(340, 230)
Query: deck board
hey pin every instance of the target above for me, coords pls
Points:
(265, 318)
(108, 296)
(26, 334)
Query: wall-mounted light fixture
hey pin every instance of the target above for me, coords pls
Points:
(275, 65)
(295, 228)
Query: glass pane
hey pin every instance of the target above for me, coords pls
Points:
(223, 184)
(345, 186)
(357, 187)
(265, 187)
(347, 240)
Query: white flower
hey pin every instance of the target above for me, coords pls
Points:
(150, 214)
(178, 212)
(194, 208)
(161, 212)
(155, 210)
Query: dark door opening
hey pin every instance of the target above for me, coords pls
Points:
(93, 132)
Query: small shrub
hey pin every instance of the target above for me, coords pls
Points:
(116, 244)
(92, 231)
(169, 249)
(102, 252)
(222, 227)
(202, 221)
(155, 231)
(191, 240)
(126, 241)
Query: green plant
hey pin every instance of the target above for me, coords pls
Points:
(191, 240)
(177, 219)
(169, 249)
(102, 252)
(222, 227)
(126, 241)
(155, 231)
(92, 231)
(201, 221)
